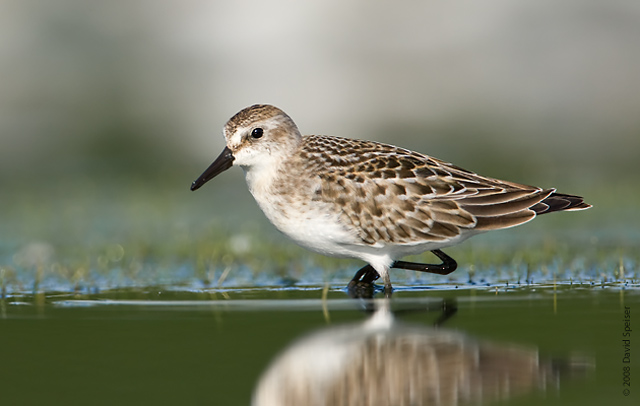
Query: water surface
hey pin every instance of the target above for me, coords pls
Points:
(152, 346)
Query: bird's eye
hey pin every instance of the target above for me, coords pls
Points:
(257, 132)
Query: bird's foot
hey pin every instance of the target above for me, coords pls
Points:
(362, 286)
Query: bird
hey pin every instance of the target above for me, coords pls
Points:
(385, 361)
(351, 198)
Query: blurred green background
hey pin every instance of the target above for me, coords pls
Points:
(108, 111)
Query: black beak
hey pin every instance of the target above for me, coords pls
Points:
(223, 162)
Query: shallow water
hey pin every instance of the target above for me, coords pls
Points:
(141, 301)
(152, 346)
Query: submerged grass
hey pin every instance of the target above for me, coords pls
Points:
(254, 260)
(89, 238)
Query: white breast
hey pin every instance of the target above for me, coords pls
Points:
(312, 227)
(311, 224)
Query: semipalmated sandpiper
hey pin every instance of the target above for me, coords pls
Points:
(362, 199)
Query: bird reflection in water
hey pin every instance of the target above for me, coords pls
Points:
(386, 362)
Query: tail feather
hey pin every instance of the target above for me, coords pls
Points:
(560, 202)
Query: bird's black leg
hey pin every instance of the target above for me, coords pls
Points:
(366, 274)
(361, 286)
(447, 266)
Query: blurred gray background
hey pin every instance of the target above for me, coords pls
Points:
(133, 94)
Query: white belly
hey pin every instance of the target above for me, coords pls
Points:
(314, 229)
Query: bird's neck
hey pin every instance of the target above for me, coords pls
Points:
(261, 177)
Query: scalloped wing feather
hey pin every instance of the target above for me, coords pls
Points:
(396, 196)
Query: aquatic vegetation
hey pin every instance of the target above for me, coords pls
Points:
(87, 239)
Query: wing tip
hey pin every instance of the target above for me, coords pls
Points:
(561, 202)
